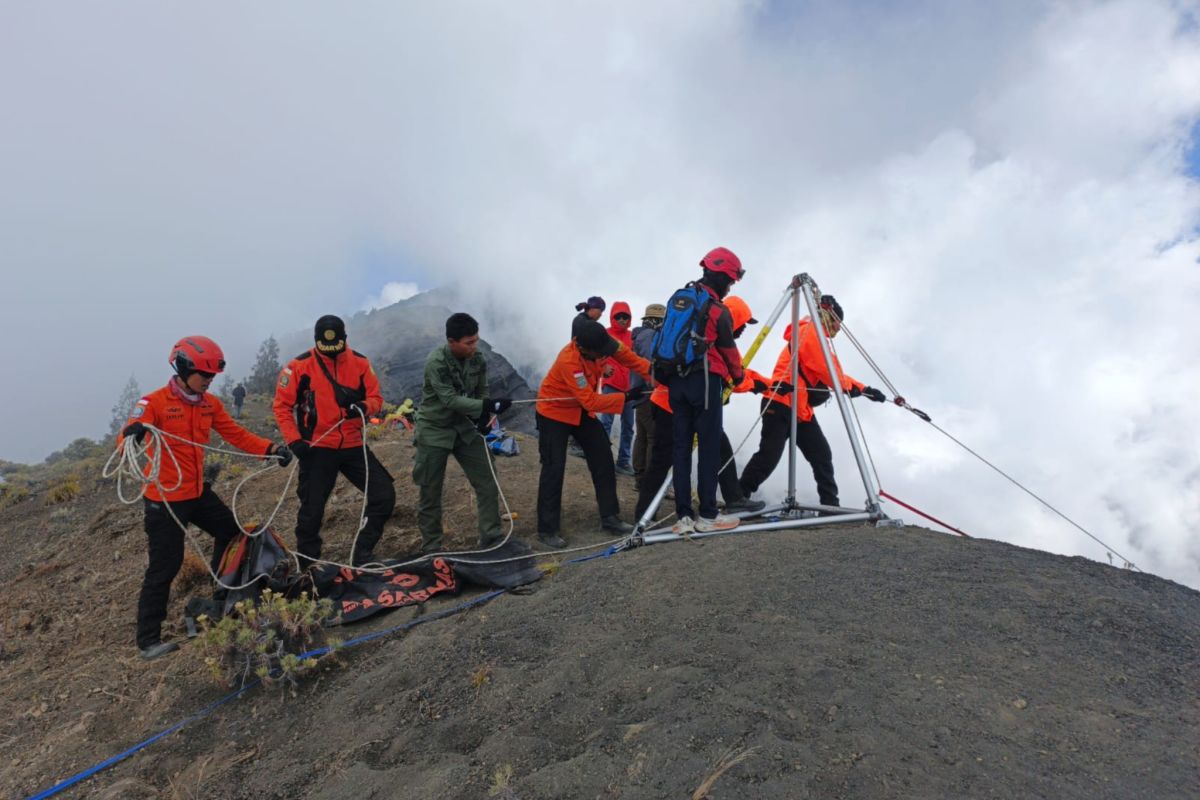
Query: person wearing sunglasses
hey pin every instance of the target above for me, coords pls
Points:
(187, 414)
(618, 380)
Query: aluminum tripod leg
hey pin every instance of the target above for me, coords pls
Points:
(839, 395)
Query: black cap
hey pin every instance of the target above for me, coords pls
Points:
(828, 302)
(330, 334)
(592, 336)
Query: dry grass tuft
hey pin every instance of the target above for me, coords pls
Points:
(501, 779)
(64, 491)
(728, 761)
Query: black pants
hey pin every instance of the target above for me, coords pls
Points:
(318, 473)
(810, 440)
(662, 454)
(696, 411)
(552, 449)
(166, 541)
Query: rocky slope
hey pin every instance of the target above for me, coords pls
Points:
(835, 662)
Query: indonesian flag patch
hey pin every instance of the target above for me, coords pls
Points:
(580, 380)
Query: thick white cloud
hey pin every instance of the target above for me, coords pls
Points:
(994, 191)
(392, 292)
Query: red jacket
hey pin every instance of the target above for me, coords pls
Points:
(813, 372)
(724, 359)
(304, 394)
(168, 409)
(620, 376)
(573, 376)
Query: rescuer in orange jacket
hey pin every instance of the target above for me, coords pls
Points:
(575, 375)
(663, 439)
(184, 409)
(776, 422)
(317, 390)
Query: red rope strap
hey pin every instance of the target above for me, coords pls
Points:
(923, 514)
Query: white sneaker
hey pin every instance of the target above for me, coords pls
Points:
(718, 523)
(684, 526)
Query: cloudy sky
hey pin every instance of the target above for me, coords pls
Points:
(1003, 196)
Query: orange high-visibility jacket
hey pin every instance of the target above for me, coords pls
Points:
(166, 410)
(304, 390)
(574, 376)
(813, 372)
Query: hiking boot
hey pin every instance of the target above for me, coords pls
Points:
(745, 504)
(615, 525)
(717, 523)
(684, 526)
(552, 540)
(158, 649)
(624, 469)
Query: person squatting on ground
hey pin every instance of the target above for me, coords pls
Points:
(618, 381)
(454, 416)
(662, 450)
(776, 420)
(695, 396)
(318, 389)
(575, 374)
(185, 409)
(643, 345)
(239, 397)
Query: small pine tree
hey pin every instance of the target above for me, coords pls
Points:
(266, 368)
(120, 412)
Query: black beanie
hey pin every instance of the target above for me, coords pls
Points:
(330, 335)
(828, 302)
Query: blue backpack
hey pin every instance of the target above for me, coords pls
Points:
(679, 345)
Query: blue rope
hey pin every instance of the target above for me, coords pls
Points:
(103, 765)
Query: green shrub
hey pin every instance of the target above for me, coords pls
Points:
(12, 493)
(266, 641)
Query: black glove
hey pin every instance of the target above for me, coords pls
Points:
(783, 388)
(758, 387)
(855, 391)
(300, 448)
(498, 405)
(637, 395)
(281, 452)
(483, 423)
(354, 409)
(873, 394)
(135, 429)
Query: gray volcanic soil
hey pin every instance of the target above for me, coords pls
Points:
(851, 662)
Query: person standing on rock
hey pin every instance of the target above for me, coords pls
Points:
(568, 401)
(239, 397)
(187, 414)
(643, 345)
(454, 416)
(617, 380)
(777, 404)
(322, 399)
(663, 447)
(709, 361)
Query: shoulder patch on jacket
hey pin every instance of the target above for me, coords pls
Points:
(580, 380)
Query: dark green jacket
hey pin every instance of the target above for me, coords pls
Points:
(452, 398)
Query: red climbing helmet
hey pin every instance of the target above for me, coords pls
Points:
(196, 354)
(722, 259)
